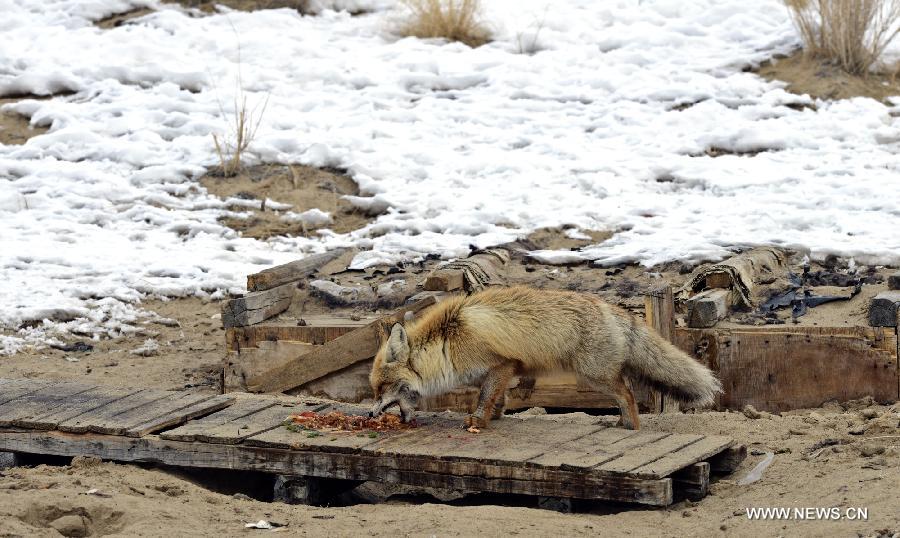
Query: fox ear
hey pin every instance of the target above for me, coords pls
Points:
(398, 344)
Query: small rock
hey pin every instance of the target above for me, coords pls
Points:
(337, 295)
(71, 525)
(757, 452)
(871, 449)
(148, 349)
(85, 462)
(167, 322)
(782, 450)
(78, 347)
(390, 287)
(796, 431)
(241, 497)
(751, 412)
(869, 413)
(858, 430)
(894, 281)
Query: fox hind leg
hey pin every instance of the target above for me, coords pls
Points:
(492, 388)
(499, 406)
(627, 404)
(618, 388)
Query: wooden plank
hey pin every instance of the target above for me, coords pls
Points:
(40, 401)
(102, 414)
(253, 363)
(558, 389)
(350, 384)
(659, 308)
(444, 280)
(433, 472)
(349, 441)
(359, 345)
(706, 308)
(604, 452)
(257, 306)
(77, 404)
(582, 447)
(474, 273)
(683, 457)
(241, 428)
(745, 271)
(779, 372)
(317, 330)
(728, 460)
(120, 423)
(718, 280)
(290, 272)
(692, 481)
(509, 440)
(16, 388)
(179, 416)
(241, 408)
(648, 453)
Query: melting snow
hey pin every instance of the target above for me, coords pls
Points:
(604, 127)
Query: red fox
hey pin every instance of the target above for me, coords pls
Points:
(500, 333)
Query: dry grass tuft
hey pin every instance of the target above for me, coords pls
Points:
(852, 34)
(231, 148)
(455, 20)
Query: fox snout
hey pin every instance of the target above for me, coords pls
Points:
(406, 403)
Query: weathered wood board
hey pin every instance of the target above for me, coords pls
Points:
(353, 347)
(257, 306)
(290, 272)
(522, 456)
(316, 330)
(796, 367)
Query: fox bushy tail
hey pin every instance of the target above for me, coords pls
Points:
(658, 364)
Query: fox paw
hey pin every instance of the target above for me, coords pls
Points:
(473, 421)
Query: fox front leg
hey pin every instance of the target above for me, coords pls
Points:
(492, 388)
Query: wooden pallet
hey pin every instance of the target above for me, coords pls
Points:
(534, 457)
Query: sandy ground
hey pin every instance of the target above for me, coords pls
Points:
(818, 79)
(14, 128)
(301, 186)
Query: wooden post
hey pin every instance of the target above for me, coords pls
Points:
(310, 490)
(693, 481)
(557, 504)
(659, 308)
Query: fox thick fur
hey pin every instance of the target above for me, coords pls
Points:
(492, 336)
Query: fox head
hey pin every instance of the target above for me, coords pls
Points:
(392, 379)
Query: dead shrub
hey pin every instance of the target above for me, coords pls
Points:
(230, 148)
(454, 20)
(852, 34)
(243, 124)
